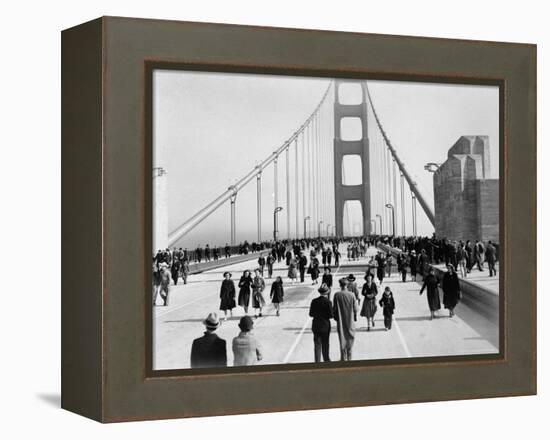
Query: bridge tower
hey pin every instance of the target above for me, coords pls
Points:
(359, 147)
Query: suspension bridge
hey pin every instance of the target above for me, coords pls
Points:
(336, 176)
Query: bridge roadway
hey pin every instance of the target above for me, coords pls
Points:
(288, 338)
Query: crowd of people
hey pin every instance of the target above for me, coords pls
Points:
(346, 304)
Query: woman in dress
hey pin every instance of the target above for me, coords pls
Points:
(314, 270)
(369, 303)
(227, 295)
(451, 289)
(292, 270)
(258, 286)
(244, 291)
(431, 283)
(277, 294)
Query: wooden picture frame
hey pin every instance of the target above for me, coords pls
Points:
(106, 218)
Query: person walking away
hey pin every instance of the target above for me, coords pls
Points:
(277, 294)
(320, 310)
(184, 269)
(490, 257)
(403, 268)
(431, 284)
(244, 291)
(329, 257)
(258, 286)
(327, 280)
(288, 256)
(337, 256)
(209, 351)
(388, 306)
(344, 310)
(451, 289)
(302, 264)
(369, 308)
(261, 264)
(156, 282)
(270, 261)
(246, 348)
(227, 294)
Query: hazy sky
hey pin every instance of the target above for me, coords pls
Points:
(210, 129)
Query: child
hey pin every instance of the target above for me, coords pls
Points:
(388, 304)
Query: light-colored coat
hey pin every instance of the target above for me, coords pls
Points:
(246, 349)
(345, 314)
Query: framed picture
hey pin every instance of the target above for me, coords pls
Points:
(306, 219)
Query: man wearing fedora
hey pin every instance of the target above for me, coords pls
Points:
(321, 312)
(246, 348)
(209, 351)
(345, 314)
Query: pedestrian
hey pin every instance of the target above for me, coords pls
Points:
(185, 269)
(292, 270)
(352, 286)
(314, 270)
(227, 294)
(413, 263)
(261, 264)
(302, 264)
(244, 291)
(380, 266)
(337, 256)
(479, 254)
(270, 260)
(320, 310)
(389, 263)
(490, 257)
(369, 303)
(403, 267)
(345, 313)
(388, 306)
(462, 258)
(277, 294)
(451, 289)
(175, 270)
(327, 280)
(156, 282)
(431, 284)
(246, 348)
(329, 257)
(209, 351)
(288, 257)
(164, 286)
(258, 286)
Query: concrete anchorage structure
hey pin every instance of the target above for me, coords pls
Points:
(360, 147)
(160, 209)
(466, 196)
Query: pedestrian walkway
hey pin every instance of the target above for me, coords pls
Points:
(288, 338)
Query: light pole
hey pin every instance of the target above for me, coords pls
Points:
(328, 230)
(275, 222)
(319, 228)
(390, 206)
(380, 219)
(305, 221)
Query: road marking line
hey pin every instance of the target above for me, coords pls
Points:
(402, 339)
(158, 315)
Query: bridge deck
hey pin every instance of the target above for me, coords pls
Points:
(288, 338)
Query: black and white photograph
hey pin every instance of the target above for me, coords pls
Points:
(313, 220)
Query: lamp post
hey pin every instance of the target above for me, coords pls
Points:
(305, 221)
(380, 219)
(390, 206)
(275, 222)
(319, 228)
